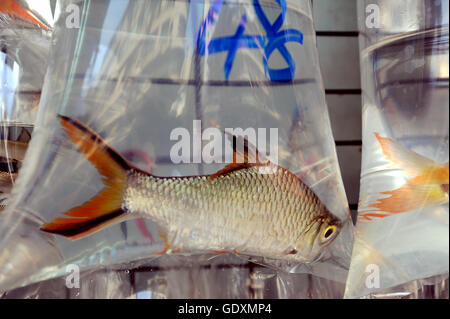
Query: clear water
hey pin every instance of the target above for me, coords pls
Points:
(405, 78)
(132, 73)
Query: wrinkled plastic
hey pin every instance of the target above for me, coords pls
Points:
(429, 288)
(178, 277)
(405, 69)
(23, 63)
(24, 51)
(135, 70)
(222, 277)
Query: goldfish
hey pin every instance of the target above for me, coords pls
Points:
(427, 182)
(14, 9)
(240, 209)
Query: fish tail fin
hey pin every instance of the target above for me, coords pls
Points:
(415, 166)
(410, 197)
(105, 208)
(393, 151)
(12, 8)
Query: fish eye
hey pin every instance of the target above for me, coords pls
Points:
(328, 232)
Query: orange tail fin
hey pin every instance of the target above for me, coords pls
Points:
(411, 197)
(427, 182)
(14, 9)
(414, 165)
(106, 207)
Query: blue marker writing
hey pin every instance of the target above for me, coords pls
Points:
(275, 39)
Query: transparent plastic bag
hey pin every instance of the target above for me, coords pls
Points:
(402, 231)
(178, 277)
(23, 61)
(135, 71)
(222, 277)
(23, 57)
(430, 288)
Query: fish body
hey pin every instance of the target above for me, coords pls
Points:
(245, 211)
(240, 209)
(426, 185)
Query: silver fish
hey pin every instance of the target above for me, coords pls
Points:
(240, 209)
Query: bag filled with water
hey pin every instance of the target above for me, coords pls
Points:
(191, 129)
(402, 227)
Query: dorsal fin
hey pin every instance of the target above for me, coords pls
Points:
(245, 155)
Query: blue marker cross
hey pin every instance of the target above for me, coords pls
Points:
(275, 39)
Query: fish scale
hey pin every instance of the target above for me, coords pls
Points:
(243, 208)
(224, 211)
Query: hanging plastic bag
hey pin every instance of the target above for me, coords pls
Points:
(24, 42)
(174, 86)
(428, 288)
(402, 228)
(172, 277)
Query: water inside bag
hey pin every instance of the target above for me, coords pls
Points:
(134, 71)
(402, 232)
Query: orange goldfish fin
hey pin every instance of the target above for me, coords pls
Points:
(410, 197)
(14, 9)
(436, 174)
(412, 163)
(106, 207)
(369, 216)
(244, 156)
